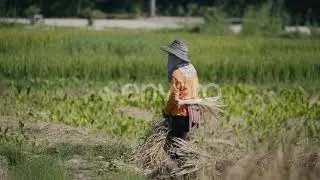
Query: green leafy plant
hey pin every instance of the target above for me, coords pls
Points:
(264, 21)
(180, 11)
(98, 14)
(32, 10)
(214, 21)
(88, 14)
(192, 9)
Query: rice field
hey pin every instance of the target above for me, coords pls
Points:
(135, 56)
(80, 78)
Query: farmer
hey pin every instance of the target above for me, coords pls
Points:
(184, 86)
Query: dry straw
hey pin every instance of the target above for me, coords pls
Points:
(152, 156)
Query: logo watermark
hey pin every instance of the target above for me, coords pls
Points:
(156, 92)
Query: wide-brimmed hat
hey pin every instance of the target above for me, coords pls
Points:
(177, 48)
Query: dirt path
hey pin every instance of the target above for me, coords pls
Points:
(140, 23)
(55, 133)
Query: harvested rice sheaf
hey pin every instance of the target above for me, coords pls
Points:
(153, 154)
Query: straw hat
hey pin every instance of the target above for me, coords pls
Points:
(177, 48)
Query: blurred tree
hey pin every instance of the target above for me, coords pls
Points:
(32, 10)
(297, 9)
(70, 7)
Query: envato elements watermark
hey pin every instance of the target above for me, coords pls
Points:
(152, 92)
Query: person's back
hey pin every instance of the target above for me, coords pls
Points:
(184, 86)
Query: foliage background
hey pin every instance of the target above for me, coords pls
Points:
(299, 12)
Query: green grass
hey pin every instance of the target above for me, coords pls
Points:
(41, 167)
(23, 166)
(13, 154)
(29, 162)
(135, 56)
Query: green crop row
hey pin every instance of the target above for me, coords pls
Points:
(249, 110)
(135, 56)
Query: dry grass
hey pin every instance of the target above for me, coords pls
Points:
(284, 163)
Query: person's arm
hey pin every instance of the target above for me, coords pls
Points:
(174, 92)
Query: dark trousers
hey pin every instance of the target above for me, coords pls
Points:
(178, 126)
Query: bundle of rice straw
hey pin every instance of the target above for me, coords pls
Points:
(210, 108)
(191, 158)
(152, 154)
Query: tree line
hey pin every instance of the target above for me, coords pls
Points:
(299, 11)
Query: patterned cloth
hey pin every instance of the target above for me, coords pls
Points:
(184, 86)
(194, 115)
